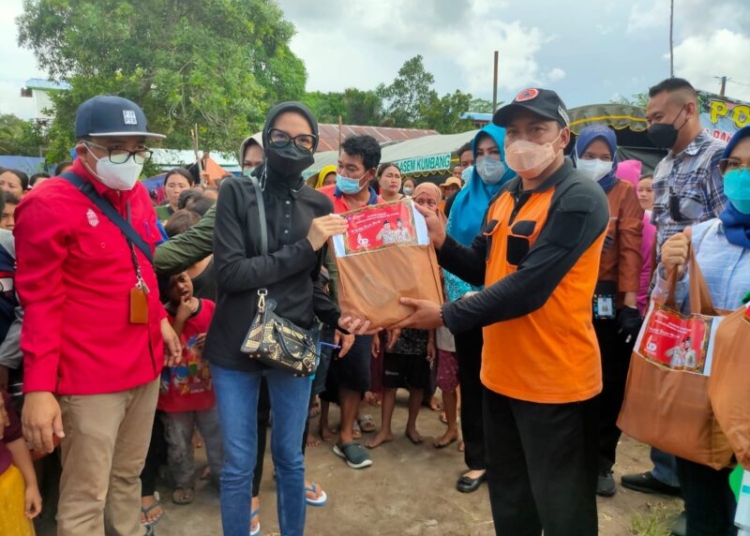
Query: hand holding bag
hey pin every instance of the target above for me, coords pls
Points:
(274, 340)
(666, 401)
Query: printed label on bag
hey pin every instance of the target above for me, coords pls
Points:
(680, 342)
(381, 226)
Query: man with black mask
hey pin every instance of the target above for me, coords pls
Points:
(299, 221)
(688, 189)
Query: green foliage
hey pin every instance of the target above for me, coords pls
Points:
(355, 106)
(444, 113)
(655, 521)
(637, 99)
(408, 95)
(480, 106)
(19, 137)
(218, 63)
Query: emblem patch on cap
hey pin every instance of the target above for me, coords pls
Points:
(129, 118)
(527, 95)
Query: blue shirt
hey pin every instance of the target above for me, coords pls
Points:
(726, 268)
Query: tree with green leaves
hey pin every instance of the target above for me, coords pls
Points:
(480, 106)
(217, 63)
(21, 138)
(408, 95)
(444, 113)
(637, 99)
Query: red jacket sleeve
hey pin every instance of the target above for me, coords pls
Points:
(41, 237)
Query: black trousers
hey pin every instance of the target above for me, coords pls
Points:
(541, 466)
(709, 501)
(469, 356)
(156, 457)
(615, 363)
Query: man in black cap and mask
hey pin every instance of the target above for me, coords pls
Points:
(299, 221)
(688, 189)
(538, 258)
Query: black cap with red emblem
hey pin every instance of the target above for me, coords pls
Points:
(544, 102)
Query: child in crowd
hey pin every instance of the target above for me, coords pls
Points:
(187, 397)
(20, 500)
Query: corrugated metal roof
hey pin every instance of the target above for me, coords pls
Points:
(329, 134)
(47, 85)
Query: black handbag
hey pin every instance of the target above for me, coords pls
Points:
(274, 340)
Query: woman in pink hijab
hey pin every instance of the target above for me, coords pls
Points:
(630, 170)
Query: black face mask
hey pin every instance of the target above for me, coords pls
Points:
(663, 135)
(289, 162)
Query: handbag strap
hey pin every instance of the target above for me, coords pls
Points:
(261, 215)
(131, 235)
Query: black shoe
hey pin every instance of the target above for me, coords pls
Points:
(467, 484)
(605, 486)
(646, 483)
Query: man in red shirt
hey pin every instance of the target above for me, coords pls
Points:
(94, 336)
(349, 377)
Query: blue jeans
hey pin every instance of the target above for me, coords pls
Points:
(237, 400)
(665, 468)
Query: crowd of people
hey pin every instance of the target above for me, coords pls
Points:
(123, 323)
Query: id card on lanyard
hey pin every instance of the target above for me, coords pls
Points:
(139, 293)
(604, 306)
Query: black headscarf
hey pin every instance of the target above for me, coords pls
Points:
(285, 164)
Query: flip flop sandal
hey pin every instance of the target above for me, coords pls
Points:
(184, 495)
(356, 431)
(320, 501)
(367, 424)
(145, 511)
(253, 515)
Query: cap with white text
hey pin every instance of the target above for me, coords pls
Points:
(108, 115)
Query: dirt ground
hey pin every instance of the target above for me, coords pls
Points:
(409, 490)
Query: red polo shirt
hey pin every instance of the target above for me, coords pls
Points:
(74, 277)
(339, 201)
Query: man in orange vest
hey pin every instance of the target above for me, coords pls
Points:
(538, 258)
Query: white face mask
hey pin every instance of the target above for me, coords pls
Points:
(117, 176)
(490, 169)
(595, 169)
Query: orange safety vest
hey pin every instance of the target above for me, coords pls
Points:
(550, 355)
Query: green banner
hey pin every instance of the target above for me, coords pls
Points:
(425, 164)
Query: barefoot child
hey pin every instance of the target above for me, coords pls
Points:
(187, 396)
(20, 501)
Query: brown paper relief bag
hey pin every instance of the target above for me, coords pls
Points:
(729, 384)
(666, 401)
(385, 255)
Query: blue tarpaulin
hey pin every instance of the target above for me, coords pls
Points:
(27, 164)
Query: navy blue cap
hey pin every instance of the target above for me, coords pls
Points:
(108, 115)
(543, 102)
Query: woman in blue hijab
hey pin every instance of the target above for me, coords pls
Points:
(722, 249)
(487, 177)
(615, 306)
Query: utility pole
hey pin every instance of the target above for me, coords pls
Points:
(724, 81)
(671, 39)
(494, 86)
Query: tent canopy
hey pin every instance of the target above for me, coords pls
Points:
(630, 126)
(417, 157)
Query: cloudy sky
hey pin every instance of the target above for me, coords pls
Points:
(588, 51)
